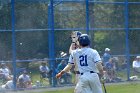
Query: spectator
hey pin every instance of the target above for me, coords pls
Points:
(136, 65)
(8, 85)
(5, 72)
(116, 63)
(45, 71)
(25, 79)
(21, 84)
(61, 65)
(124, 65)
(110, 70)
(106, 56)
(66, 78)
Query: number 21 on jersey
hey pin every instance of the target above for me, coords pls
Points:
(83, 60)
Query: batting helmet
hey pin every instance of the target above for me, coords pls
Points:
(84, 40)
(78, 33)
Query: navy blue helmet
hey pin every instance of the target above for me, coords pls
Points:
(78, 33)
(74, 36)
(84, 40)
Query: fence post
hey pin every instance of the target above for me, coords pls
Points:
(13, 42)
(87, 16)
(127, 38)
(51, 40)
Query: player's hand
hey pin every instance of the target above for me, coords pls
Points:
(59, 74)
(102, 79)
(73, 46)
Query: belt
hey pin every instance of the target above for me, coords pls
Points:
(77, 72)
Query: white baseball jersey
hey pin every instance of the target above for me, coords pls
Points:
(86, 58)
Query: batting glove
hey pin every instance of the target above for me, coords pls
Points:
(102, 79)
(59, 74)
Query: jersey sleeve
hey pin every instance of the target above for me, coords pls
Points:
(71, 60)
(97, 57)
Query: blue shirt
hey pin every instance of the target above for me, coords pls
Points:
(60, 67)
(109, 65)
(106, 58)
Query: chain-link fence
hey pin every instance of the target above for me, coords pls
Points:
(41, 32)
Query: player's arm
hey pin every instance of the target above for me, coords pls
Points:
(66, 69)
(98, 62)
(101, 72)
(100, 68)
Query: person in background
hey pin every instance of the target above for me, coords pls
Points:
(65, 76)
(45, 71)
(106, 56)
(5, 72)
(61, 65)
(25, 78)
(136, 65)
(9, 84)
(110, 70)
(21, 84)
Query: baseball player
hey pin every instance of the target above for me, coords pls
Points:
(88, 64)
(74, 37)
(75, 45)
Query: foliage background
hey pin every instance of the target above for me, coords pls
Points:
(106, 22)
(32, 17)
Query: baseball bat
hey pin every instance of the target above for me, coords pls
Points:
(104, 87)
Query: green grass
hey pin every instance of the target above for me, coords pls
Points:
(61, 91)
(128, 88)
(122, 88)
(119, 88)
